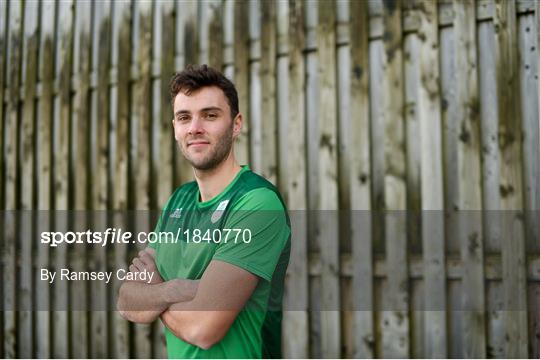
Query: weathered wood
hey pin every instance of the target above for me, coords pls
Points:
(510, 182)
(166, 147)
(187, 40)
(395, 337)
(99, 196)
(82, 58)
(255, 86)
(3, 55)
(241, 77)
(292, 121)
(142, 184)
(228, 39)
(327, 199)
(31, 42)
(61, 165)
(432, 183)
(360, 180)
(282, 94)
(121, 62)
(11, 184)
(43, 316)
(414, 193)
(215, 34)
(469, 173)
(311, 118)
(531, 128)
(268, 92)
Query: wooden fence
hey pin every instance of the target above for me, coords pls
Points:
(352, 105)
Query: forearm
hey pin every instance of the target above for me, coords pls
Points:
(143, 303)
(198, 325)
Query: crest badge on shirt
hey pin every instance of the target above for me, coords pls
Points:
(176, 213)
(219, 211)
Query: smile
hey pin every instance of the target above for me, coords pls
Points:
(198, 143)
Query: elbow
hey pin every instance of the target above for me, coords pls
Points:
(203, 336)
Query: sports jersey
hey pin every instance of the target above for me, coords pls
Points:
(246, 225)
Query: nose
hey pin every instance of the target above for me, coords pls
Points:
(196, 126)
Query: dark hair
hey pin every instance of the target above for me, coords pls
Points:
(195, 77)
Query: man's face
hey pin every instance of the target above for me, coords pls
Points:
(203, 127)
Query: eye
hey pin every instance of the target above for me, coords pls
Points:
(211, 115)
(182, 118)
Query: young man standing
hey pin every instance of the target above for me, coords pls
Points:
(219, 289)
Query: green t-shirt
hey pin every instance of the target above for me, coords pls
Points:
(246, 225)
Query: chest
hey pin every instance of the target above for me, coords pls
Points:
(188, 239)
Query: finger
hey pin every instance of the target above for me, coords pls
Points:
(150, 251)
(138, 264)
(133, 269)
(146, 258)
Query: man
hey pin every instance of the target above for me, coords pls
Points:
(219, 289)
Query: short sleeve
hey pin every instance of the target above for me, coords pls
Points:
(261, 218)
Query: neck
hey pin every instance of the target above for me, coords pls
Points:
(213, 181)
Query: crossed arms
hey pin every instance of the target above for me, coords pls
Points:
(199, 312)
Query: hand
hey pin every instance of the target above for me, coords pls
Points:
(145, 262)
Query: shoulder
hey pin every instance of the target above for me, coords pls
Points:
(261, 198)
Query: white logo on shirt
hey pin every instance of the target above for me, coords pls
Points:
(176, 213)
(219, 211)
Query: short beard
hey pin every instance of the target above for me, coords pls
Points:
(217, 155)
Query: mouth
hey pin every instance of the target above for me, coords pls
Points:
(197, 143)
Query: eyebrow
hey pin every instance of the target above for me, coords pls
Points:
(210, 108)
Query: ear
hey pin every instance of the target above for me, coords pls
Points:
(174, 130)
(237, 126)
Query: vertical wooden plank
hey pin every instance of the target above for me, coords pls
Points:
(11, 184)
(3, 55)
(214, 26)
(82, 57)
(187, 44)
(490, 181)
(43, 316)
(165, 184)
(432, 183)
(163, 37)
(255, 86)
(311, 115)
(510, 185)
(228, 39)
(142, 171)
(120, 111)
(360, 180)
(27, 179)
(395, 323)
(327, 199)
(537, 16)
(241, 77)
(292, 120)
(412, 80)
(268, 92)
(282, 94)
(528, 53)
(532, 144)
(470, 192)
(99, 196)
(61, 171)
